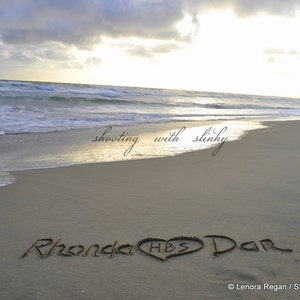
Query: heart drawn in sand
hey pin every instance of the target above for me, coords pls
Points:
(163, 249)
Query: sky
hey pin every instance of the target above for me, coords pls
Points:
(238, 46)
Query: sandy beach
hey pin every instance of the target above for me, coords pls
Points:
(194, 206)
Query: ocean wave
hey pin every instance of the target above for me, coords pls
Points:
(6, 178)
(46, 107)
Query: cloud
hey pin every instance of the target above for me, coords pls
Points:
(275, 55)
(55, 26)
(274, 7)
(93, 60)
(246, 8)
(27, 53)
(83, 23)
(150, 51)
(281, 51)
(55, 54)
(23, 56)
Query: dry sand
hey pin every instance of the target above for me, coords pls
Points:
(250, 191)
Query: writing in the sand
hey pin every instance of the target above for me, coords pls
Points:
(157, 248)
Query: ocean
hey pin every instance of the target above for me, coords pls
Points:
(46, 125)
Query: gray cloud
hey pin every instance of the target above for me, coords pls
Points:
(75, 64)
(54, 54)
(246, 8)
(281, 51)
(29, 55)
(93, 60)
(83, 23)
(51, 52)
(274, 7)
(23, 57)
(274, 55)
(150, 51)
(45, 30)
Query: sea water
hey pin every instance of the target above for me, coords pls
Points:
(46, 125)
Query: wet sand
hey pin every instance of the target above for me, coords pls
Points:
(248, 193)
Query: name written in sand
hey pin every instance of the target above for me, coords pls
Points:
(157, 248)
(210, 135)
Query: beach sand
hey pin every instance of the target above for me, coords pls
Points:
(250, 191)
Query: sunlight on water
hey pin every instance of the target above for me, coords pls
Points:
(115, 144)
(44, 125)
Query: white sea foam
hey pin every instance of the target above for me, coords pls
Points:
(6, 178)
(57, 109)
(44, 107)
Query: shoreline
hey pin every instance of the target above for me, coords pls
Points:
(248, 193)
(8, 174)
(52, 150)
(267, 126)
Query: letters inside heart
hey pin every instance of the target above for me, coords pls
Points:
(163, 249)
